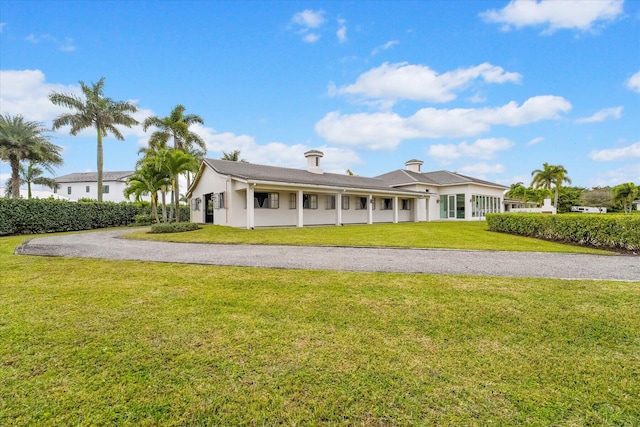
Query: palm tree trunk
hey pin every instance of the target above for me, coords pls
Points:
(29, 190)
(100, 164)
(164, 204)
(15, 177)
(555, 200)
(154, 206)
(176, 199)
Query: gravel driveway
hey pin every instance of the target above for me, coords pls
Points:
(108, 245)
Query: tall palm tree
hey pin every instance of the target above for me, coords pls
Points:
(96, 111)
(550, 175)
(25, 140)
(517, 191)
(175, 128)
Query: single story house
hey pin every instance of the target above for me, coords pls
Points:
(241, 194)
(85, 185)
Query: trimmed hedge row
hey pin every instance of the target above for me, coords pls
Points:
(174, 227)
(607, 231)
(23, 216)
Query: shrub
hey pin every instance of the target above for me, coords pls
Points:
(144, 219)
(607, 231)
(31, 216)
(174, 227)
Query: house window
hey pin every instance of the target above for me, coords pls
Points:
(292, 201)
(105, 189)
(266, 200)
(218, 201)
(55, 189)
(405, 204)
(69, 190)
(310, 201)
(345, 203)
(87, 189)
(387, 204)
(362, 203)
(373, 203)
(196, 203)
(330, 202)
(221, 200)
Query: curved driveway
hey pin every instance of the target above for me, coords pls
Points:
(106, 244)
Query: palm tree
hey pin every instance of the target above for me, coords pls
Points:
(550, 175)
(175, 127)
(625, 194)
(97, 111)
(517, 191)
(25, 140)
(32, 174)
(147, 179)
(174, 163)
(233, 156)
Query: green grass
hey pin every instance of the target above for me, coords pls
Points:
(451, 235)
(92, 342)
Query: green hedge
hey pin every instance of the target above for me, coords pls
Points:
(606, 231)
(21, 216)
(174, 227)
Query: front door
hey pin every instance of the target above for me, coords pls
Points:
(208, 206)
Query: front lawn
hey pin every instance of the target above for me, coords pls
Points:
(450, 235)
(93, 342)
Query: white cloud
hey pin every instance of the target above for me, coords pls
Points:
(66, 45)
(386, 130)
(634, 82)
(480, 170)
(336, 160)
(555, 15)
(387, 45)
(420, 83)
(2, 25)
(616, 154)
(627, 173)
(602, 115)
(342, 30)
(307, 21)
(309, 18)
(481, 149)
(26, 92)
(535, 141)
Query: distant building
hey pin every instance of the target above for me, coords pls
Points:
(84, 185)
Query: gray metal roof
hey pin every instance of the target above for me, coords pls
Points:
(438, 178)
(93, 177)
(250, 171)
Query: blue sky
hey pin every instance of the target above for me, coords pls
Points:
(491, 89)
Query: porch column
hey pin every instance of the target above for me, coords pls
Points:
(370, 202)
(250, 209)
(338, 197)
(395, 209)
(300, 207)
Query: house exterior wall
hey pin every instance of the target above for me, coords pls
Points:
(469, 191)
(79, 191)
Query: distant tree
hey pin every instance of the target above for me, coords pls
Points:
(598, 197)
(625, 194)
(25, 140)
(96, 111)
(32, 174)
(550, 176)
(568, 197)
(147, 179)
(233, 156)
(518, 191)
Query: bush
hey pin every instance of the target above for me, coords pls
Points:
(174, 227)
(144, 219)
(32, 216)
(606, 231)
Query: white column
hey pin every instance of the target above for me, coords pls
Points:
(300, 207)
(370, 202)
(395, 209)
(338, 197)
(250, 209)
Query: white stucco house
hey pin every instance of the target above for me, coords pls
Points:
(85, 185)
(241, 194)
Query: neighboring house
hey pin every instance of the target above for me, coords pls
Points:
(85, 185)
(514, 205)
(241, 194)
